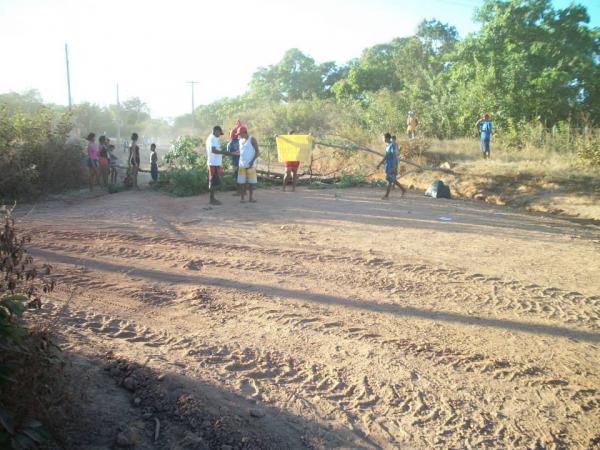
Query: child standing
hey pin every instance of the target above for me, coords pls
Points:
(153, 162)
(112, 164)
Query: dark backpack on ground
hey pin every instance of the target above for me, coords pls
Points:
(438, 190)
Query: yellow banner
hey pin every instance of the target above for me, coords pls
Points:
(294, 147)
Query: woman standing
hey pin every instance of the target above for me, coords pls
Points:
(92, 161)
(103, 160)
(153, 162)
(134, 159)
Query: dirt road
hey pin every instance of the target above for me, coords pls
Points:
(333, 319)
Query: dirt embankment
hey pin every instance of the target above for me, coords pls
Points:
(549, 187)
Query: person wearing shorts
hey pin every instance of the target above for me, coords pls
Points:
(291, 171)
(411, 125)
(249, 153)
(214, 159)
(112, 164)
(391, 166)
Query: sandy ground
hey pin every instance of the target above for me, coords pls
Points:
(326, 319)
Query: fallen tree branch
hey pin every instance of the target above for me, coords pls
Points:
(419, 167)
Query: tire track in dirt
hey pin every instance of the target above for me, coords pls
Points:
(256, 373)
(263, 375)
(484, 294)
(375, 407)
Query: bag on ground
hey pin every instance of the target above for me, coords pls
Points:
(438, 190)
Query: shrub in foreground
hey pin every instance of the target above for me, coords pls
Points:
(22, 285)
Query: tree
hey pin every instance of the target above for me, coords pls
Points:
(134, 112)
(295, 77)
(529, 61)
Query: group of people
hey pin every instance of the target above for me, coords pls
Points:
(243, 150)
(102, 161)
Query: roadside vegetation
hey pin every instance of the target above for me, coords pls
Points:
(544, 103)
(28, 362)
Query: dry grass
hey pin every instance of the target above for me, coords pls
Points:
(533, 178)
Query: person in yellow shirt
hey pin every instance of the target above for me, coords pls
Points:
(411, 125)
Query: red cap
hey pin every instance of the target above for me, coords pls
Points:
(242, 130)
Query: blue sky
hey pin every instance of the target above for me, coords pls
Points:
(151, 48)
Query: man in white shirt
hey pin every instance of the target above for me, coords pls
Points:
(214, 159)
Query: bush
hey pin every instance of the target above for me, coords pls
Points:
(351, 180)
(587, 145)
(21, 286)
(34, 155)
(186, 173)
(183, 182)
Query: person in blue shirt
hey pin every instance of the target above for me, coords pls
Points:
(391, 166)
(484, 128)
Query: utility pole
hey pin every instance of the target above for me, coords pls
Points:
(192, 83)
(68, 75)
(118, 117)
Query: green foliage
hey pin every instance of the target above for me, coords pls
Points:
(528, 62)
(295, 77)
(588, 147)
(183, 154)
(351, 180)
(186, 173)
(21, 286)
(184, 182)
(36, 155)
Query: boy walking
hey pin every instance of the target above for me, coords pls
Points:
(391, 166)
